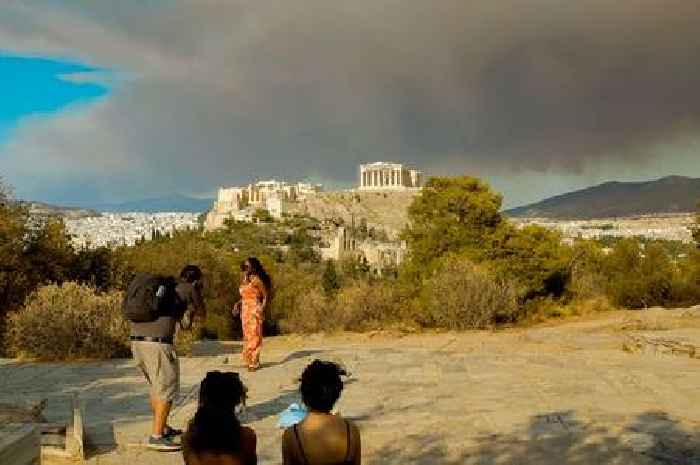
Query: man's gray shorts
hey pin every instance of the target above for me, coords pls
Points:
(160, 366)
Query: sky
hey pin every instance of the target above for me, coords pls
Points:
(116, 101)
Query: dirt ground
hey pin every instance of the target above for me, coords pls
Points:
(556, 393)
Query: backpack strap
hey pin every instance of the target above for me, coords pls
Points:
(301, 448)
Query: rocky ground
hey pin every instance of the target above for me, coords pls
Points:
(571, 393)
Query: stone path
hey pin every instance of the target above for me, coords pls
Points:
(565, 394)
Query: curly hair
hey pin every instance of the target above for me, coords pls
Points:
(223, 390)
(321, 385)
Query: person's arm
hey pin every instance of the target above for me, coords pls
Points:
(287, 457)
(187, 454)
(357, 455)
(252, 452)
(263, 291)
(200, 309)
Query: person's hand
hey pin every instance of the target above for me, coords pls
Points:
(236, 310)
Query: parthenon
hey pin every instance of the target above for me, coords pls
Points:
(388, 176)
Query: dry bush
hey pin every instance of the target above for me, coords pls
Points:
(580, 307)
(311, 312)
(462, 295)
(542, 309)
(69, 321)
(365, 306)
(301, 305)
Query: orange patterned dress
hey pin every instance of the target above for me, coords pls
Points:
(252, 295)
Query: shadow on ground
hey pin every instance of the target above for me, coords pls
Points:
(559, 438)
(293, 356)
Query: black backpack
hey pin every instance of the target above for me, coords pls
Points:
(149, 297)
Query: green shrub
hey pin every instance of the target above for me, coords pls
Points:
(69, 321)
(686, 282)
(639, 278)
(462, 295)
(534, 257)
(586, 277)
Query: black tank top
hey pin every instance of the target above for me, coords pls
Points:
(346, 461)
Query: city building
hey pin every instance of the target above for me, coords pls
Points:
(126, 229)
(389, 176)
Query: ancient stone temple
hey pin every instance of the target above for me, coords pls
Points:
(389, 176)
(272, 195)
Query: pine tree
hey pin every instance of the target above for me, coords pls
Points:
(330, 280)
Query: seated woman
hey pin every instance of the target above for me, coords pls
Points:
(215, 436)
(321, 438)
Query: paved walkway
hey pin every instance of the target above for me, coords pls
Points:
(566, 394)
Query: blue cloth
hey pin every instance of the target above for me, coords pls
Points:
(292, 415)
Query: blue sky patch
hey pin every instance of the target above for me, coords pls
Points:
(39, 86)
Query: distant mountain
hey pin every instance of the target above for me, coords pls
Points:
(672, 194)
(44, 209)
(174, 203)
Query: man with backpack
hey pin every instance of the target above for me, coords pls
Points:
(154, 305)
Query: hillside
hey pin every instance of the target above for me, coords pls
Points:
(387, 210)
(44, 209)
(672, 194)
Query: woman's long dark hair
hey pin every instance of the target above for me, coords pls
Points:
(215, 427)
(257, 269)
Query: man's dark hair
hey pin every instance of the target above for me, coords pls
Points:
(191, 273)
(321, 385)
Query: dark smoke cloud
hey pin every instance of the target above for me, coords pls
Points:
(221, 91)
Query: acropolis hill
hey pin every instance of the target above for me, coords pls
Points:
(384, 192)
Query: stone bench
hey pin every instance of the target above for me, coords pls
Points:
(59, 427)
(20, 444)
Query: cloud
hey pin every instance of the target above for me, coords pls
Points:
(224, 91)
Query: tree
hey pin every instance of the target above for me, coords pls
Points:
(459, 215)
(462, 216)
(261, 215)
(532, 256)
(639, 277)
(329, 279)
(696, 227)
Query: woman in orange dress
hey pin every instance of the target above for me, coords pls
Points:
(254, 291)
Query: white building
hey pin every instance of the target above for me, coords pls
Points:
(272, 195)
(276, 206)
(388, 176)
